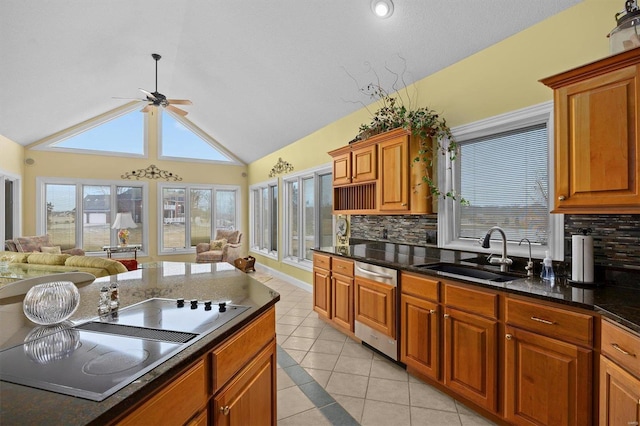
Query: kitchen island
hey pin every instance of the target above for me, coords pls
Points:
(219, 360)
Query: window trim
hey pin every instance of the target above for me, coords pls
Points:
(187, 223)
(17, 203)
(273, 254)
(47, 143)
(41, 219)
(449, 176)
(315, 173)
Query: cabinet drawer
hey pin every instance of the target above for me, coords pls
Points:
(419, 286)
(176, 403)
(342, 267)
(321, 261)
(621, 346)
(553, 322)
(474, 301)
(232, 355)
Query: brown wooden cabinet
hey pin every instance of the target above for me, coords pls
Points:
(547, 381)
(250, 398)
(619, 376)
(597, 145)
(420, 325)
(333, 287)
(376, 176)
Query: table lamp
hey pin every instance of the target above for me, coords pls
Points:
(123, 222)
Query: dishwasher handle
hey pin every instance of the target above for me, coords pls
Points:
(376, 274)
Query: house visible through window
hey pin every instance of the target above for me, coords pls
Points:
(191, 214)
(503, 171)
(80, 215)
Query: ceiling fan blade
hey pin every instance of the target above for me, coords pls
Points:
(177, 110)
(129, 99)
(149, 94)
(180, 101)
(147, 108)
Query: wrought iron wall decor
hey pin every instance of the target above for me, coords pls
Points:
(281, 167)
(151, 172)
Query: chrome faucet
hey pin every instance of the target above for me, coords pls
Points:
(529, 267)
(504, 261)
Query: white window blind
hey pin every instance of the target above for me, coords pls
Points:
(505, 179)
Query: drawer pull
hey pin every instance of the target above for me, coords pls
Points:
(508, 337)
(544, 321)
(225, 410)
(432, 311)
(619, 349)
(446, 315)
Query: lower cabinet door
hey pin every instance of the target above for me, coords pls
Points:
(471, 357)
(342, 301)
(547, 381)
(250, 398)
(619, 395)
(322, 292)
(419, 347)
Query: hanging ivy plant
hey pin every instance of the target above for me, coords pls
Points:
(429, 127)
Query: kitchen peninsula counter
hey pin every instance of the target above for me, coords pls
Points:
(616, 298)
(171, 280)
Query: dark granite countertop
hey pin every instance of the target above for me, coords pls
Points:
(616, 296)
(221, 281)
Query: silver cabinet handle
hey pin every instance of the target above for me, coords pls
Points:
(619, 349)
(446, 315)
(508, 337)
(225, 410)
(544, 321)
(375, 274)
(432, 311)
(562, 198)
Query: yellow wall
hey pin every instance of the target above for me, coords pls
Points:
(12, 158)
(499, 79)
(70, 165)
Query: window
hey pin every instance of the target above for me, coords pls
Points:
(119, 132)
(191, 214)
(307, 214)
(264, 218)
(80, 215)
(503, 170)
(181, 139)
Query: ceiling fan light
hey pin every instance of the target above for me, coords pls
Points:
(382, 8)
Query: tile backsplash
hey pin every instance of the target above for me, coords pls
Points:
(616, 237)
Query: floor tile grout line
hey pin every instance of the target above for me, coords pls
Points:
(336, 413)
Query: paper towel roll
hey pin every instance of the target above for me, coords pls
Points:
(582, 258)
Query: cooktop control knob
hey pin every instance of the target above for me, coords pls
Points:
(194, 304)
(207, 305)
(222, 307)
(180, 302)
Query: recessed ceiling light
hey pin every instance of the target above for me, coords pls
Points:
(382, 8)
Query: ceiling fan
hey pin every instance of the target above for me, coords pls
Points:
(157, 99)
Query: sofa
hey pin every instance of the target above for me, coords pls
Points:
(225, 247)
(39, 243)
(54, 263)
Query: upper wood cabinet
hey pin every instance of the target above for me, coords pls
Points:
(597, 146)
(377, 176)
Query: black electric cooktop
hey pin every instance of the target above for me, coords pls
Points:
(95, 359)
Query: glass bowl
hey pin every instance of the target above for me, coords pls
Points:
(51, 303)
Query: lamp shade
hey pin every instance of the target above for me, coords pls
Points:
(123, 221)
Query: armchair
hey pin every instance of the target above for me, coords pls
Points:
(219, 250)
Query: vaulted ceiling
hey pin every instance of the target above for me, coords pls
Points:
(261, 74)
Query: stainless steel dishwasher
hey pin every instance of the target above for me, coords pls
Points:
(376, 307)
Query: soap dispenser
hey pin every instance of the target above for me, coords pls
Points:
(547, 273)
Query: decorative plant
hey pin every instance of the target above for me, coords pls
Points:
(429, 127)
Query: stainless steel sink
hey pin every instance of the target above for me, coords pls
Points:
(464, 271)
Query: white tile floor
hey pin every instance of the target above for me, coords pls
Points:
(326, 378)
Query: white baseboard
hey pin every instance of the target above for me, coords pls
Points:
(288, 278)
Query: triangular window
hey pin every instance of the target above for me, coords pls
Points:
(123, 134)
(182, 139)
